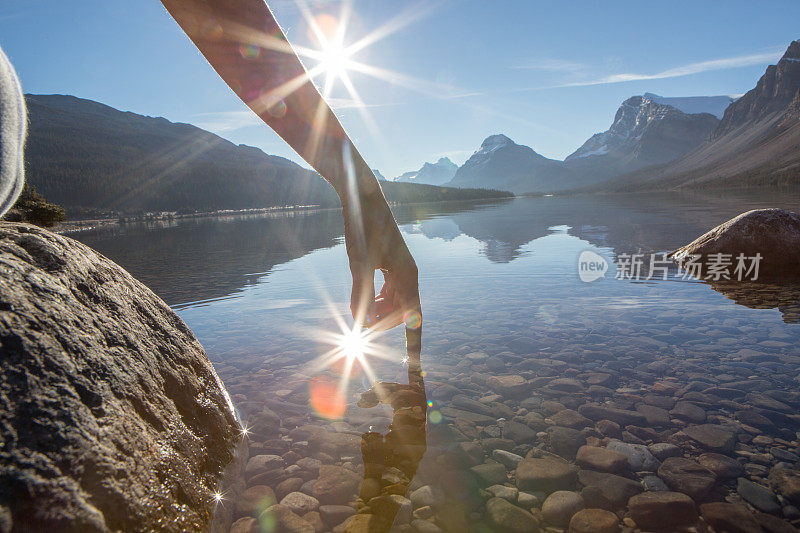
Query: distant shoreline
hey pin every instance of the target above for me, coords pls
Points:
(87, 224)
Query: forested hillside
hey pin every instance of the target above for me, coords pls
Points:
(84, 155)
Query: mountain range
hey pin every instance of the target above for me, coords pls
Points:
(757, 142)
(657, 142)
(437, 173)
(89, 157)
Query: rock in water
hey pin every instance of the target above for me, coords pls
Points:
(662, 510)
(112, 417)
(773, 233)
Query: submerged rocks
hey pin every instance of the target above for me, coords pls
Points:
(729, 517)
(560, 507)
(772, 233)
(545, 474)
(687, 476)
(113, 418)
(711, 437)
(662, 510)
(335, 485)
(638, 456)
(602, 459)
(508, 517)
(759, 497)
(594, 521)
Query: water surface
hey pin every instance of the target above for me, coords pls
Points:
(501, 296)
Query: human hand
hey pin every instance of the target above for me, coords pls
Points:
(374, 242)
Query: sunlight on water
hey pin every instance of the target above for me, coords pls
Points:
(517, 350)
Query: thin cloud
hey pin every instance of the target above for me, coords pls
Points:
(552, 65)
(686, 70)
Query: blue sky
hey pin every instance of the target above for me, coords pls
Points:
(546, 74)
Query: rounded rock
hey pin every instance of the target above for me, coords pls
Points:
(594, 521)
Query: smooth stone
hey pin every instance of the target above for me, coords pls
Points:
(489, 474)
(594, 521)
(570, 419)
(253, 500)
(501, 491)
(561, 506)
(689, 412)
(245, 525)
(784, 455)
(786, 482)
(687, 476)
(333, 515)
(607, 491)
(565, 441)
(721, 465)
(610, 429)
(655, 416)
(773, 233)
(262, 463)
(654, 483)
(622, 417)
(509, 386)
(528, 500)
(711, 437)
(510, 460)
(759, 497)
(286, 486)
(639, 457)
(335, 485)
(426, 495)
(546, 474)
(662, 510)
(602, 459)
(284, 519)
(506, 516)
(314, 518)
(729, 517)
(519, 433)
(662, 450)
(300, 503)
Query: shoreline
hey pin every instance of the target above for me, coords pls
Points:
(79, 225)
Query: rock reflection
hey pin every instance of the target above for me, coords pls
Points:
(785, 296)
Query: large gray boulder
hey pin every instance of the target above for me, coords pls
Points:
(773, 233)
(111, 415)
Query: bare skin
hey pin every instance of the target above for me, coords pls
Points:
(248, 49)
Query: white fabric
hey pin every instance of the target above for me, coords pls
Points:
(13, 126)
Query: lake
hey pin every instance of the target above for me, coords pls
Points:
(520, 359)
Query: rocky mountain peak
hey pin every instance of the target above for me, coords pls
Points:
(496, 141)
(770, 99)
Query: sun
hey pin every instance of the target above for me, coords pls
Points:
(335, 60)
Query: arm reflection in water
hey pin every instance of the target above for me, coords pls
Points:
(391, 460)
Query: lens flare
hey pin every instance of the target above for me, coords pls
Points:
(249, 51)
(326, 398)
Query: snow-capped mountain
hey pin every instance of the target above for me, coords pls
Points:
(646, 131)
(431, 173)
(693, 105)
(500, 163)
(757, 142)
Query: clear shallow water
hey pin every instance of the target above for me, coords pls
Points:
(501, 296)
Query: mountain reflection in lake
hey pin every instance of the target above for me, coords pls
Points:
(520, 358)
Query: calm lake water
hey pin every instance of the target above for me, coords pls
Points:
(501, 298)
